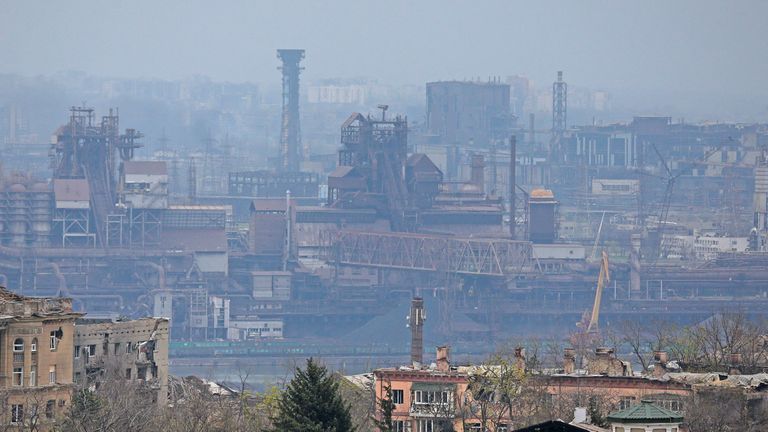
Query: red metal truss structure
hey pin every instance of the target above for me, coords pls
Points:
(476, 256)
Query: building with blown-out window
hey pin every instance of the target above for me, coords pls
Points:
(36, 348)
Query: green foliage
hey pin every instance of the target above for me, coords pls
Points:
(386, 408)
(595, 414)
(312, 403)
(85, 410)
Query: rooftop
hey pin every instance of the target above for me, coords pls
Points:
(645, 412)
(270, 204)
(145, 167)
(542, 194)
(561, 426)
(15, 306)
(344, 171)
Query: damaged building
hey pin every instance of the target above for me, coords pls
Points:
(37, 337)
(132, 350)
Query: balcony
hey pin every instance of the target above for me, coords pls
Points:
(429, 401)
(432, 410)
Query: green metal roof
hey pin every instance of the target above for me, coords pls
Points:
(645, 412)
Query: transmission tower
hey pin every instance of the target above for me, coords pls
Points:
(559, 104)
(559, 112)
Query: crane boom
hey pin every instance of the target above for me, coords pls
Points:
(602, 279)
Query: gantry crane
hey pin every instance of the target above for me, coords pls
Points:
(667, 200)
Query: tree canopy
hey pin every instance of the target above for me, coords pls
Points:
(312, 403)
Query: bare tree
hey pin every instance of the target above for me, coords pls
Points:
(113, 403)
(721, 410)
(31, 413)
(361, 402)
(644, 340)
(708, 345)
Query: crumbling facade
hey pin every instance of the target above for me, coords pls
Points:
(37, 347)
(131, 350)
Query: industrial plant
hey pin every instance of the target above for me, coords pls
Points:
(380, 216)
(500, 226)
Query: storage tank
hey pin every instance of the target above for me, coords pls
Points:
(17, 214)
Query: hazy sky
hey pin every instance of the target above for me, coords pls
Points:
(719, 48)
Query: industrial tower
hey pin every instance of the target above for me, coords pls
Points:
(559, 104)
(759, 233)
(290, 136)
(559, 113)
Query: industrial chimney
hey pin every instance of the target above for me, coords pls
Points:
(416, 322)
(569, 361)
(442, 359)
(290, 136)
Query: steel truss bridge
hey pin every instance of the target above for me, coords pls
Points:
(433, 253)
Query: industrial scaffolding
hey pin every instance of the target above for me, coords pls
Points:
(419, 252)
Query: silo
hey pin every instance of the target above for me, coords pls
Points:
(41, 202)
(542, 216)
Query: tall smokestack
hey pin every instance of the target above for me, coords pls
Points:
(290, 136)
(512, 185)
(416, 322)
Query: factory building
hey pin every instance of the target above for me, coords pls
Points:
(25, 212)
(259, 263)
(461, 112)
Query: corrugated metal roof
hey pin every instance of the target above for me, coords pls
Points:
(145, 167)
(71, 190)
(227, 208)
(269, 204)
(195, 240)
